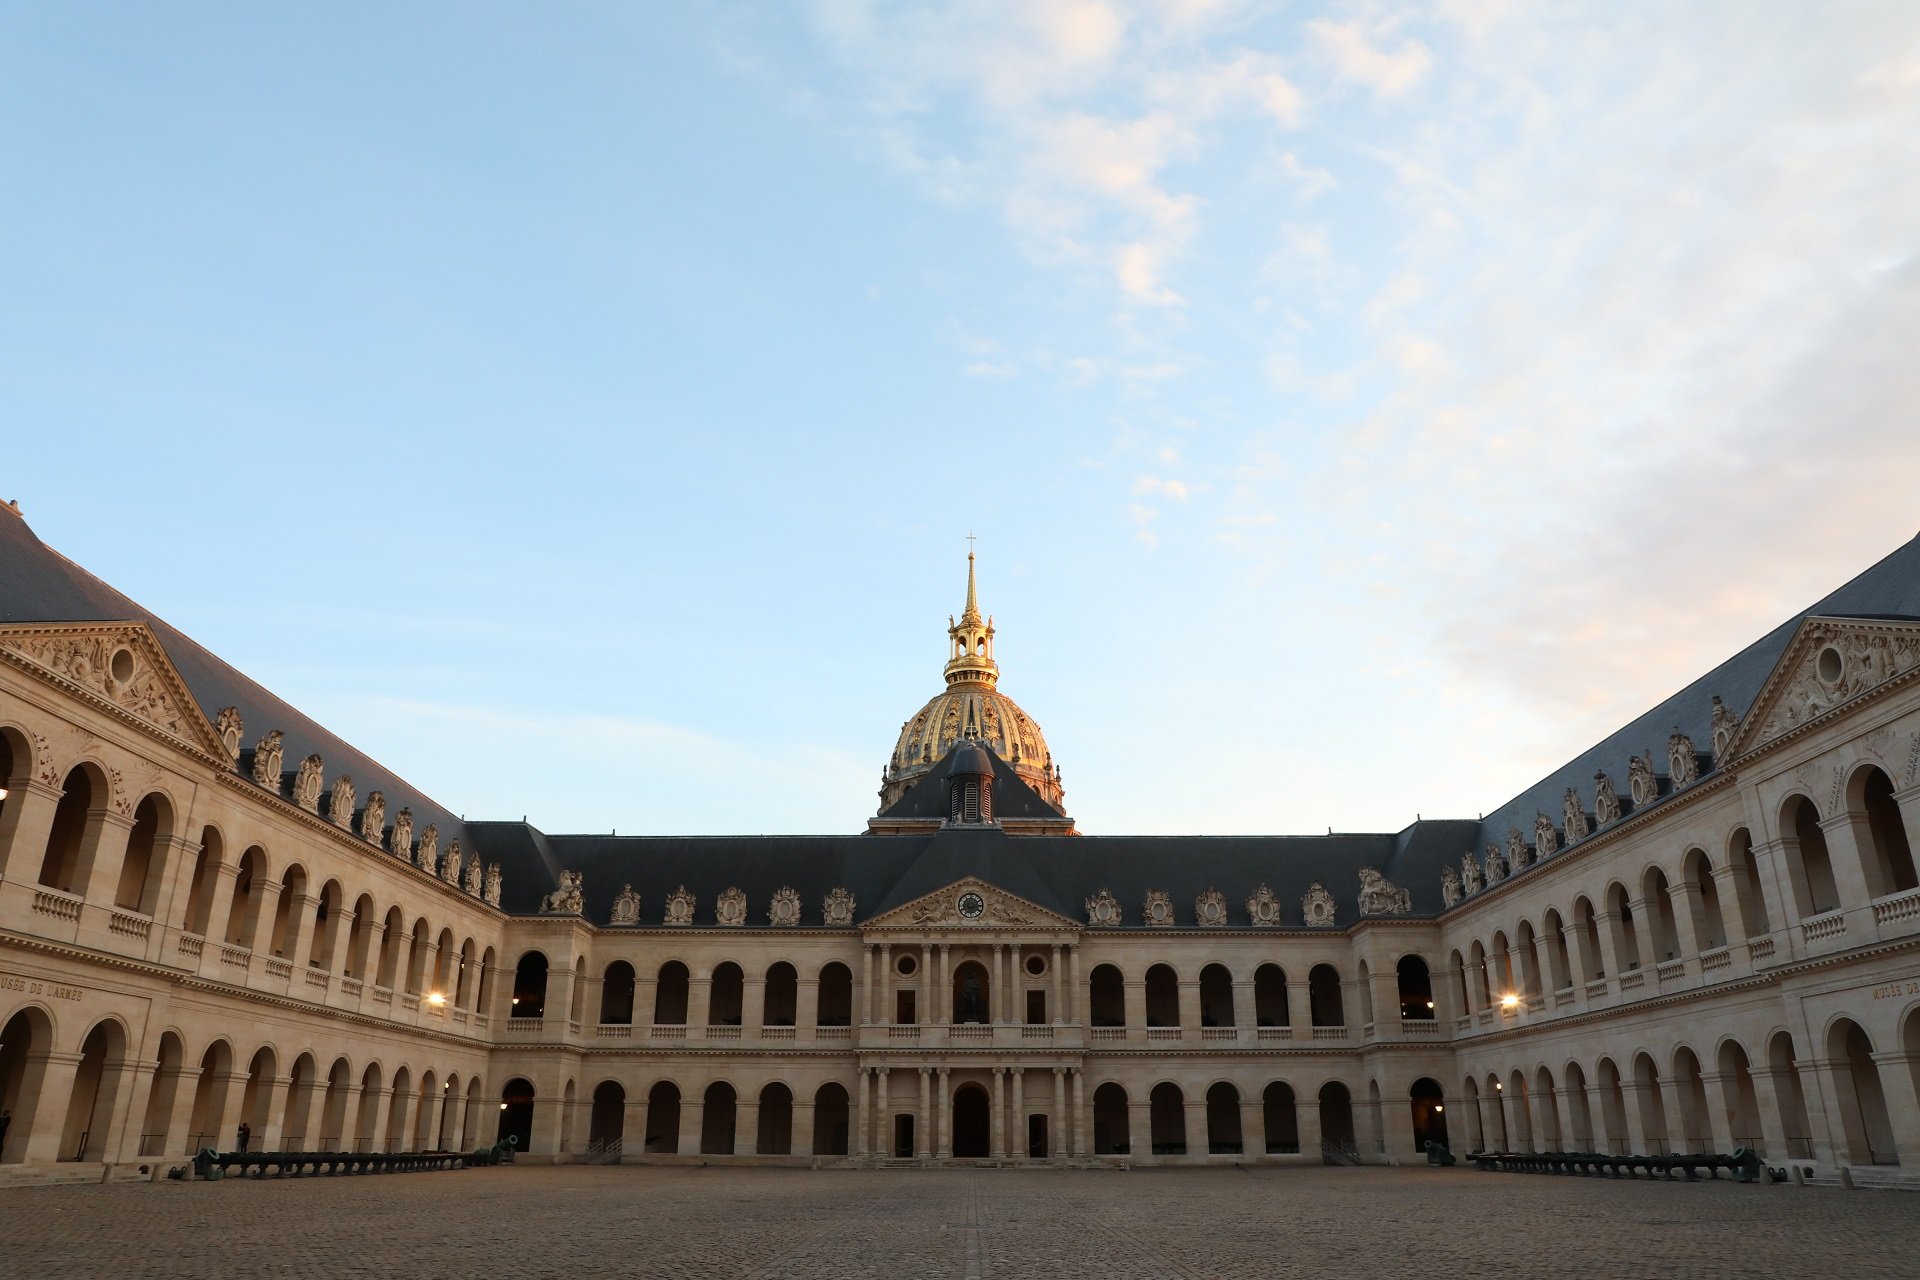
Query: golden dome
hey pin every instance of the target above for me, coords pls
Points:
(971, 707)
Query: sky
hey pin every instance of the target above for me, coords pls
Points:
(582, 407)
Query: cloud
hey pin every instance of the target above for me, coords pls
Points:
(1355, 56)
(991, 369)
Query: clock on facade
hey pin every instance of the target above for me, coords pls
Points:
(972, 904)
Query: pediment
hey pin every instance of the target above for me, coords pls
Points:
(1829, 663)
(122, 664)
(942, 909)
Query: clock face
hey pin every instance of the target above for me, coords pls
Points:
(971, 905)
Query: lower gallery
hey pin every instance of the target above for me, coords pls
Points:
(1702, 933)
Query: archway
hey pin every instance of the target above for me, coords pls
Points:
(1416, 989)
(670, 995)
(1743, 1098)
(1696, 1134)
(834, 1004)
(1429, 1113)
(971, 993)
(780, 1001)
(1223, 1121)
(333, 1107)
(1270, 996)
(1809, 862)
(161, 1093)
(1653, 1108)
(90, 1107)
(1889, 857)
(1280, 1119)
(24, 1044)
(138, 887)
(1167, 1112)
(606, 1126)
(1216, 996)
(210, 1096)
(1336, 1118)
(1110, 1122)
(516, 1113)
(616, 994)
(60, 868)
(1106, 997)
(831, 1128)
(774, 1136)
(663, 1119)
(1323, 997)
(1613, 1109)
(1794, 1125)
(1863, 1104)
(726, 993)
(972, 1123)
(1163, 997)
(530, 987)
(717, 1117)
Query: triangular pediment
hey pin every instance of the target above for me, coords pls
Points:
(1829, 663)
(950, 908)
(122, 664)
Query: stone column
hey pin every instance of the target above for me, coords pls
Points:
(693, 1110)
(886, 1112)
(26, 821)
(1300, 1009)
(179, 1117)
(1674, 1108)
(1056, 1002)
(275, 1107)
(300, 926)
(173, 865)
(1079, 1143)
(1604, 1139)
(699, 1000)
(132, 1083)
(1719, 1111)
(746, 1126)
(753, 1006)
(378, 1099)
(260, 938)
(861, 1117)
(1571, 1100)
(1245, 1015)
(219, 912)
(1544, 1120)
(1612, 960)
(1306, 1113)
(923, 1137)
(1076, 987)
(457, 1130)
(1766, 1097)
(1903, 1104)
(1489, 1107)
(806, 1011)
(103, 850)
(1637, 1136)
(943, 993)
(1689, 921)
(57, 1072)
(1134, 989)
(1581, 963)
(1017, 1140)
(1253, 1126)
(946, 1116)
(883, 986)
(1058, 1143)
(1139, 1127)
(1849, 863)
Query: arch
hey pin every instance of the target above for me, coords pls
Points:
(831, 1118)
(1527, 943)
(328, 910)
(1324, 997)
(1748, 893)
(1743, 1099)
(393, 928)
(717, 1116)
(578, 1012)
(1482, 976)
(616, 994)
(670, 995)
(466, 987)
(83, 791)
(210, 1096)
(1695, 1135)
(1223, 1120)
(1613, 1108)
(1809, 862)
(663, 1119)
(1270, 996)
(1586, 926)
(1111, 1135)
(774, 1136)
(417, 948)
(972, 992)
(607, 1122)
(516, 1113)
(1500, 965)
(1789, 1089)
(1626, 932)
(303, 1088)
(444, 959)
(1880, 832)
(1476, 1127)
(1336, 1118)
(1703, 900)
(1163, 997)
(206, 879)
(25, 1040)
(1653, 1107)
(726, 992)
(1280, 1119)
(1428, 1104)
(96, 1082)
(162, 1092)
(1545, 1102)
(529, 987)
(1663, 928)
(972, 1122)
(426, 1120)
(1216, 996)
(1559, 967)
(833, 1007)
(153, 822)
(1106, 997)
(1494, 1099)
(400, 1100)
(1364, 989)
(780, 1000)
(1414, 982)
(1864, 1119)
(1167, 1113)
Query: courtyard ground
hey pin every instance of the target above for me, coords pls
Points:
(703, 1222)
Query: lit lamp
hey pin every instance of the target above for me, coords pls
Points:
(1438, 1107)
(1509, 1001)
(436, 999)
(503, 1106)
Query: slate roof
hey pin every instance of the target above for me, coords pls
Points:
(38, 584)
(1012, 797)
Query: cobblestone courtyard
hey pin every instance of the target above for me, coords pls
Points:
(961, 1223)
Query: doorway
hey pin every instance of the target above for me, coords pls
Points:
(903, 1137)
(1036, 1137)
(972, 1123)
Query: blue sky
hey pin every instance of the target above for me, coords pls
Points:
(582, 407)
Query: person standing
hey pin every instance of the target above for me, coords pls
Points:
(246, 1133)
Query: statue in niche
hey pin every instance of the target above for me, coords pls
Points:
(474, 875)
(1606, 801)
(1263, 908)
(1546, 841)
(1683, 765)
(266, 760)
(838, 908)
(308, 782)
(1496, 864)
(373, 819)
(1573, 816)
(1469, 872)
(972, 1004)
(680, 906)
(1449, 887)
(1379, 896)
(492, 894)
(784, 910)
(1725, 725)
(340, 803)
(568, 899)
(626, 906)
(450, 865)
(1316, 905)
(730, 908)
(403, 834)
(1517, 854)
(427, 856)
(1641, 785)
(228, 727)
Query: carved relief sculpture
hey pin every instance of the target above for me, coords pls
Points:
(1316, 906)
(427, 855)
(1641, 786)
(373, 819)
(1159, 908)
(492, 894)
(474, 875)
(1518, 855)
(568, 899)
(450, 865)
(1496, 864)
(1469, 872)
(266, 760)
(229, 729)
(1546, 841)
(1606, 801)
(403, 834)
(1683, 765)
(340, 803)
(730, 907)
(680, 906)
(626, 906)
(838, 908)
(1210, 908)
(1573, 816)
(308, 783)
(1449, 887)
(1379, 896)
(1103, 909)
(1725, 725)
(784, 910)
(1263, 908)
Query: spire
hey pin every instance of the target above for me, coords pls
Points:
(970, 658)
